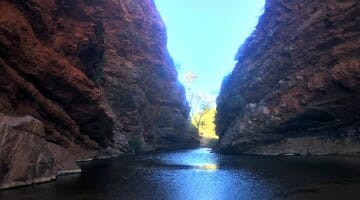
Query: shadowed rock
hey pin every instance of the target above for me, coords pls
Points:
(96, 75)
(296, 86)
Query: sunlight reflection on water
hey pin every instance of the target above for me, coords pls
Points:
(208, 166)
(196, 157)
(206, 178)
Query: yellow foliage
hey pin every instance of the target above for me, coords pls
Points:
(207, 125)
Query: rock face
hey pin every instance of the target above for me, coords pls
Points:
(83, 78)
(296, 86)
(26, 157)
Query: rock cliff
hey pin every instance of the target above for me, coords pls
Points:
(81, 79)
(296, 86)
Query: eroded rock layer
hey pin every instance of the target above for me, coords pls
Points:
(296, 86)
(83, 78)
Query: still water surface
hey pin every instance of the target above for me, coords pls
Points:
(202, 175)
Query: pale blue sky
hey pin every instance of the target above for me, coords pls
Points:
(204, 36)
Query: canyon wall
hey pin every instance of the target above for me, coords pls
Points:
(296, 86)
(82, 79)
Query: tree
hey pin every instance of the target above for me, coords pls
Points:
(203, 110)
(207, 127)
(197, 118)
(190, 77)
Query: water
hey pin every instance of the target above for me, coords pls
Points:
(199, 174)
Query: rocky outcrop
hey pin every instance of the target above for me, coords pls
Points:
(83, 78)
(296, 86)
(26, 157)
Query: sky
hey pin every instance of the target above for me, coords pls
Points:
(204, 36)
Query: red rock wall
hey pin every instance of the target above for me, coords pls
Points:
(296, 86)
(140, 84)
(96, 74)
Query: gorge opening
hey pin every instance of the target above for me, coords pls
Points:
(203, 39)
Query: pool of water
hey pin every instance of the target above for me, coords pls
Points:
(200, 174)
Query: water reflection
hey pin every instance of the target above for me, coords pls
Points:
(188, 157)
(200, 174)
(208, 166)
(197, 183)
